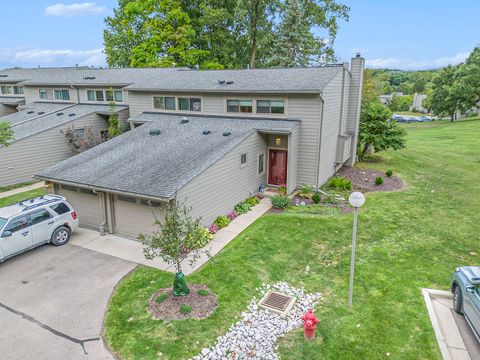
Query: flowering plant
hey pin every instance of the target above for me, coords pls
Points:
(282, 189)
(213, 228)
(232, 215)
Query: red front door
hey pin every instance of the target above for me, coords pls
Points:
(277, 171)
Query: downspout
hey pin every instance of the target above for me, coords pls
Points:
(319, 146)
(104, 213)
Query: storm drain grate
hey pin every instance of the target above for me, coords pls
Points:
(277, 302)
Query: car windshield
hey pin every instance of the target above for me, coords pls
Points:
(2, 222)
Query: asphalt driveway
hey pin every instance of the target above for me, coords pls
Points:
(53, 301)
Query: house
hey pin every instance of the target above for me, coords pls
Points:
(211, 139)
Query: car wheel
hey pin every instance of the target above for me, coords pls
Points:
(457, 299)
(61, 236)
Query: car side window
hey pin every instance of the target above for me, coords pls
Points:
(39, 216)
(17, 224)
(60, 208)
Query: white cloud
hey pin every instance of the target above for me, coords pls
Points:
(86, 8)
(48, 57)
(410, 64)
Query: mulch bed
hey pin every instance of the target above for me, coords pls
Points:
(364, 179)
(169, 309)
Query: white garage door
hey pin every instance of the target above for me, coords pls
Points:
(134, 216)
(86, 204)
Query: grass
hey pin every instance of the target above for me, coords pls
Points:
(22, 196)
(16, 186)
(202, 292)
(407, 240)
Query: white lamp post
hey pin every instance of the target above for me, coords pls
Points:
(356, 199)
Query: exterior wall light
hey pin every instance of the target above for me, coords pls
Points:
(278, 141)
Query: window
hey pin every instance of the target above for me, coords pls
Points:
(99, 95)
(261, 164)
(270, 107)
(69, 188)
(127, 199)
(91, 95)
(3, 221)
(7, 89)
(189, 104)
(118, 94)
(43, 94)
(79, 133)
(150, 203)
(61, 94)
(109, 95)
(183, 104)
(243, 159)
(195, 104)
(245, 106)
(164, 102)
(60, 208)
(17, 224)
(39, 216)
(18, 90)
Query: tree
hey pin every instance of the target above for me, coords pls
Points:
(446, 98)
(113, 123)
(372, 87)
(377, 131)
(6, 133)
(467, 85)
(170, 240)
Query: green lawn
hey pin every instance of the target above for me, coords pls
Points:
(407, 240)
(22, 196)
(16, 186)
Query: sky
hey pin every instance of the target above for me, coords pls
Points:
(400, 34)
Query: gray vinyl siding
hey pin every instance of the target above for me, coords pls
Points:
(292, 160)
(23, 158)
(331, 122)
(6, 110)
(123, 118)
(216, 191)
(32, 94)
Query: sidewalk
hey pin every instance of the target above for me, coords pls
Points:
(22, 189)
(132, 250)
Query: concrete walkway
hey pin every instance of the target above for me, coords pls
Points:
(22, 189)
(454, 336)
(132, 250)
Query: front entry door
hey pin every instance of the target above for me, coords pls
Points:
(277, 173)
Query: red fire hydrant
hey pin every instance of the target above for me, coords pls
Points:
(310, 322)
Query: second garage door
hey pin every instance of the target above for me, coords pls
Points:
(134, 216)
(85, 203)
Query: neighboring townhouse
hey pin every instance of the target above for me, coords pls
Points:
(212, 138)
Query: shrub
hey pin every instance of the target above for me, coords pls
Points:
(232, 215)
(339, 183)
(378, 180)
(252, 201)
(199, 238)
(202, 292)
(213, 229)
(222, 221)
(316, 197)
(280, 201)
(161, 297)
(389, 173)
(185, 309)
(305, 191)
(331, 199)
(242, 208)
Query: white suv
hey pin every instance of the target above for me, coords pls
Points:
(31, 223)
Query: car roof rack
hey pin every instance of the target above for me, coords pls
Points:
(47, 201)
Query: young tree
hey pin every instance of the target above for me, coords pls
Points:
(6, 133)
(170, 240)
(377, 131)
(113, 123)
(467, 85)
(445, 97)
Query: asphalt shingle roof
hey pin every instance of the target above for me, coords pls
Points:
(11, 100)
(159, 165)
(32, 111)
(61, 116)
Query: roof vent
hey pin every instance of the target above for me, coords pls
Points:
(59, 114)
(3, 75)
(89, 78)
(206, 132)
(221, 82)
(229, 82)
(41, 112)
(184, 120)
(227, 133)
(154, 132)
(71, 114)
(30, 112)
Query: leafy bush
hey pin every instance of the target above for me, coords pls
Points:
(280, 201)
(185, 309)
(331, 199)
(242, 208)
(232, 215)
(378, 180)
(339, 183)
(222, 221)
(199, 238)
(305, 191)
(252, 201)
(202, 292)
(213, 229)
(316, 197)
(161, 297)
(389, 173)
